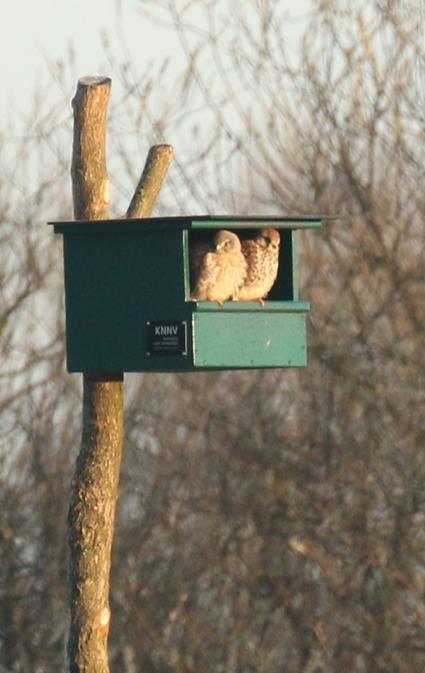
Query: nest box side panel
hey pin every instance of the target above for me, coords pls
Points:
(115, 284)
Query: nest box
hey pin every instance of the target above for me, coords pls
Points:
(128, 305)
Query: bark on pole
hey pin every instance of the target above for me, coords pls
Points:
(153, 175)
(90, 183)
(95, 484)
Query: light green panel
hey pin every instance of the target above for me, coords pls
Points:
(249, 339)
(295, 266)
(253, 307)
(251, 223)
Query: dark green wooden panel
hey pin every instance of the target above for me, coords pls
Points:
(249, 339)
(114, 286)
(295, 266)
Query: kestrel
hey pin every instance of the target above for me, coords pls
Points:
(262, 256)
(217, 270)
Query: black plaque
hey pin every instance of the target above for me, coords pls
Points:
(166, 337)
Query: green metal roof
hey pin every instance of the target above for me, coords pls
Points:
(190, 222)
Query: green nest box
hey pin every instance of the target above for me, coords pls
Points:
(129, 306)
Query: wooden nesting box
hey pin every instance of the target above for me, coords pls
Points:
(128, 306)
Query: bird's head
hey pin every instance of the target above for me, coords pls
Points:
(269, 238)
(226, 241)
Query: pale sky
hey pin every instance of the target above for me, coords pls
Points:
(33, 31)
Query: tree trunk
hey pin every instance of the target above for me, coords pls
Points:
(91, 522)
(95, 485)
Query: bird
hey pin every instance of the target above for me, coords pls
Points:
(217, 269)
(262, 256)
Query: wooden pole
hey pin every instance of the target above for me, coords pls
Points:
(95, 484)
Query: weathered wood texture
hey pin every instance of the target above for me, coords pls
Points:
(95, 484)
(90, 183)
(91, 521)
(154, 172)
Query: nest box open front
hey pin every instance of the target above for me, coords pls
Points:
(128, 290)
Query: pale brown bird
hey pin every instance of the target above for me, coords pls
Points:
(262, 256)
(217, 270)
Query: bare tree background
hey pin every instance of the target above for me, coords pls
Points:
(268, 521)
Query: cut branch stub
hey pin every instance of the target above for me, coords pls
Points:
(154, 172)
(90, 183)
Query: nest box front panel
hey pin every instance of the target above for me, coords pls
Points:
(247, 334)
(256, 338)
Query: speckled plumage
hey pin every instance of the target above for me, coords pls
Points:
(262, 256)
(217, 270)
